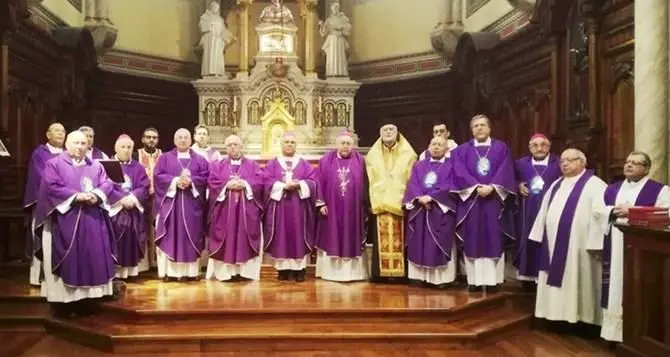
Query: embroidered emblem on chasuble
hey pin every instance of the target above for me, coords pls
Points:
(391, 247)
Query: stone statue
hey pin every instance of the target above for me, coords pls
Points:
(336, 29)
(276, 13)
(300, 113)
(215, 37)
(255, 119)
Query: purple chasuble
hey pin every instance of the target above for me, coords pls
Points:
(81, 242)
(483, 223)
(235, 222)
(38, 160)
(180, 220)
(538, 179)
(341, 188)
(555, 266)
(429, 235)
(97, 154)
(289, 223)
(646, 198)
(130, 225)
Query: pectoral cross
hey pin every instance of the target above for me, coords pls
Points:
(343, 174)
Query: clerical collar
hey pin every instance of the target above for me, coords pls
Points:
(150, 151)
(79, 162)
(342, 157)
(486, 142)
(236, 162)
(123, 162)
(544, 161)
(183, 155)
(53, 149)
(198, 148)
(641, 181)
(437, 160)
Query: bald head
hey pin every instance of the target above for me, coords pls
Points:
(76, 144)
(182, 139)
(124, 148)
(56, 135)
(289, 143)
(438, 147)
(233, 146)
(345, 145)
(573, 162)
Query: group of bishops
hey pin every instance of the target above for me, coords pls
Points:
(456, 211)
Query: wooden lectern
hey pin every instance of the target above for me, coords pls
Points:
(646, 298)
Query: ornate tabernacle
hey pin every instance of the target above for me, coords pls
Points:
(277, 95)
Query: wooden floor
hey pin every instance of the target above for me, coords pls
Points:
(273, 318)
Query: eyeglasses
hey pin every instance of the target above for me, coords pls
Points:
(636, 163)
(569, 159)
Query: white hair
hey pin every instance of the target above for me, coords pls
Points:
(72, 136)
(580, 154)
(232, 138)
(182, 130)
(387, 125)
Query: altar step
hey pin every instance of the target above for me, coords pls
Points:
(124, 330)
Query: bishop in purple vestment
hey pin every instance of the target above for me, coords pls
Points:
(38, 159)
(290, 189)
(484, 180)
(431, 219)
(73, 227)
(180, 181)
(128, 203)
(92, 152)
(236, 200)
(342, 202)
(534, 174)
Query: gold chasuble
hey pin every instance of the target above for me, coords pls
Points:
(388, 171)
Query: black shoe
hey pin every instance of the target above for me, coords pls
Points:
(475, 288)
(528, 286)
(443, 286)
(492, 289)
(299, 275)
(283, 275)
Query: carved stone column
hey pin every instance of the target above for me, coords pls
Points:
(307, 12)
(590, 10)
(651, 83)
(97, 21)
(444, 36)
(244, 37)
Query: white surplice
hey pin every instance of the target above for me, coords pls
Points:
(612, 329)
(578, 298)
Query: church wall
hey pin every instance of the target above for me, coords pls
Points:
(480, 14)
(67, 11)
(165, 28)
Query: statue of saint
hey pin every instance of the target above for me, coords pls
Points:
(276, 13)
(336, 29)
(255, 120)
(215, 37)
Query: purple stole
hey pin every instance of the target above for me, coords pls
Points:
(555, 267)
(647, 198)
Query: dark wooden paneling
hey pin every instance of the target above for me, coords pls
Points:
(46, 77)
(414, 105)
(121, 103)
(568, 74)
